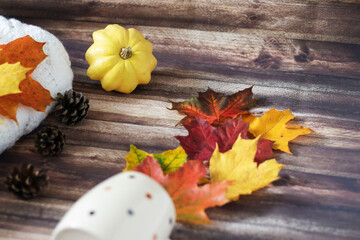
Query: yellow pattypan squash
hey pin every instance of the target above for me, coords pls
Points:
(120, 58)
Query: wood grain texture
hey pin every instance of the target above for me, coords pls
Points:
(299, 54)
(326, 17)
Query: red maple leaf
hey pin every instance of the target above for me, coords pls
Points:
(215, 107)
(189, 199)
(202, 139)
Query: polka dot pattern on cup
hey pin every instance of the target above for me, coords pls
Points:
(130, 212)
(149, 196)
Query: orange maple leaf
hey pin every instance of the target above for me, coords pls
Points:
(30, 54)
(189, 199)
(24, 50)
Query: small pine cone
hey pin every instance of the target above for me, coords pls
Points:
(49, 141)
(25, 183)
(71, 108)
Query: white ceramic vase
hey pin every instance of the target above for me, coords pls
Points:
(129, 206)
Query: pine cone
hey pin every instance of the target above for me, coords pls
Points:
(25, 183)
(71, 108)
(49, 141)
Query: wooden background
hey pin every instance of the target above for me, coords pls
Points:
(299, 54)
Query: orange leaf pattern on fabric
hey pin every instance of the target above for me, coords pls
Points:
(189, 199)
(8, 108)
(24, 50)
(30, 54)
(33, 95)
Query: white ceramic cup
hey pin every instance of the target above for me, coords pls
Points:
(129, 206)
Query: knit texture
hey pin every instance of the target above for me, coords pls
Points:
(53, 73)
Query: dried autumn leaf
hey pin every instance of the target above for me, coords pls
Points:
(215, 107)
(272, 126)
(169, 160)
(29, 53)
(237, 165)
(24, 50)
(189, 199)
(10, 77)
(202, 139)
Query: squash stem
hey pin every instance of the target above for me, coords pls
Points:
(125, 53)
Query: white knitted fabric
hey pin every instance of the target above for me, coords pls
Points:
(53, 73)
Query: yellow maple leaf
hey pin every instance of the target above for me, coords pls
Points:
(237, 165)
(10, 77)
(272, 126)
(169, 160)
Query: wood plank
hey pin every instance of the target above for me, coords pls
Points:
(193, 50)
(325, 17)
(302, 55)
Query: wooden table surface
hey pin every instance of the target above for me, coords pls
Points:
(299, 54)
